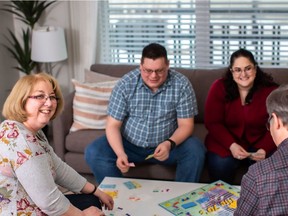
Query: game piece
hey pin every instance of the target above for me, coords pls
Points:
(189, 205)
(108, 186)
(149, 156)
(131, 164)
(132, 184)
(112, 193)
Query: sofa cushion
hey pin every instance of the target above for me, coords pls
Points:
(90, 104)
(94, 77)
(78, 140)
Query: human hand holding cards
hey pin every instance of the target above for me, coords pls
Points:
(257, 156)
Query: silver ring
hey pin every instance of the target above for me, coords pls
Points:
(239, 157)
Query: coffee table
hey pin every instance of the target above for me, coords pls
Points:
(139, 197)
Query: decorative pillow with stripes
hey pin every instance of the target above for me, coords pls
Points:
(90, 104)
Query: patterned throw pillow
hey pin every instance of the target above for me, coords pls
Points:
(90, 104)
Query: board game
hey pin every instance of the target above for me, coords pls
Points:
(217, 198)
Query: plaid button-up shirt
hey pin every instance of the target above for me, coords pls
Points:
(150, 118)
(264, 189)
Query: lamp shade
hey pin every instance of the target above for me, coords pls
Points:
(48, 45)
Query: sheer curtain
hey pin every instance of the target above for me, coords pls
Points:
(83, 35)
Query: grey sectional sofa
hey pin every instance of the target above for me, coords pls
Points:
(70, 146)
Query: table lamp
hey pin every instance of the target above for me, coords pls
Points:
(48, 45)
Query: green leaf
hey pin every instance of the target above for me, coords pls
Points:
(21, 53)
(28, 12)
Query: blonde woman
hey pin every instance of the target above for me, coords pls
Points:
(29, 169)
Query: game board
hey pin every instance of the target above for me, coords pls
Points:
(218, 198)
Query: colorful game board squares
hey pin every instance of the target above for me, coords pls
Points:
(112, 193)
(132, 185)
(104, 186)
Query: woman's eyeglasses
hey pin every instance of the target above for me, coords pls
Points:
(238, 71)
(42, 98)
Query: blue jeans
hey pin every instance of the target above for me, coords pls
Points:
(225, 168)
(189, 158)
(220, 168)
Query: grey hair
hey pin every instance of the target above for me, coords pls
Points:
(277, 102)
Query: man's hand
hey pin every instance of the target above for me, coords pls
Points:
(122, 163)
(162, 151)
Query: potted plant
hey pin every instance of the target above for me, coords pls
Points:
(29, 13)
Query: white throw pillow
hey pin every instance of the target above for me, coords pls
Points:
(90, 104)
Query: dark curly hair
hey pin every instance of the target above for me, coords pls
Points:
(262, 79)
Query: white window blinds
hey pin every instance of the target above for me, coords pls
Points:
(196, 33)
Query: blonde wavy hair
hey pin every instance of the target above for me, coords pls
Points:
(14, 106)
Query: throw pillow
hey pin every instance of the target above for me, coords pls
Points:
(90, 104)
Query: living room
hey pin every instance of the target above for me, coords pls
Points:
(88, 50)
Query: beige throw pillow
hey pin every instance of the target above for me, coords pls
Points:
(90, 104)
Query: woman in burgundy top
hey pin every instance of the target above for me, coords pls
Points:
(235, 116)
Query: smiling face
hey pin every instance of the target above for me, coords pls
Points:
(40, 106)
(243, 72)
(154, 72)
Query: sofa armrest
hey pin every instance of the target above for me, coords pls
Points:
(61, 126)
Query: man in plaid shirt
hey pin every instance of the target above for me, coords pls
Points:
(151, 112)
(264, 189)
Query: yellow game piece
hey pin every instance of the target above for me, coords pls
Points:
(149, 156)
(112, 193)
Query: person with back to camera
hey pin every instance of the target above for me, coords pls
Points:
(264, 188)
(235, 117)
(151, 111)
(29, 169)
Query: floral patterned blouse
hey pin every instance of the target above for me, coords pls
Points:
(30, 172)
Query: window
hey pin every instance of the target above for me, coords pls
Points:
(196, 33)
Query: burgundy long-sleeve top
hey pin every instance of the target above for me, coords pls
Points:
(230, 121)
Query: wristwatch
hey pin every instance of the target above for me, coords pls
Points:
(173, 144)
